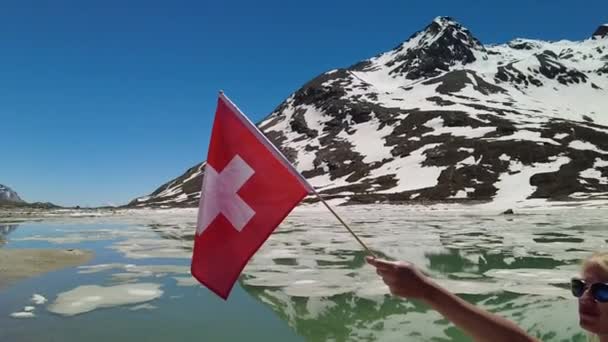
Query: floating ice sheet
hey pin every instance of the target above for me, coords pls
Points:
(90, 297)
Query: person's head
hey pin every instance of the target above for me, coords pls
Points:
(591, 288)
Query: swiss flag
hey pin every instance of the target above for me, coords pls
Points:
(248, 188)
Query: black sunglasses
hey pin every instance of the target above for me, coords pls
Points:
(599, 291)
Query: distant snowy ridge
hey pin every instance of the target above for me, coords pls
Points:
(444, 118)
(10, 199)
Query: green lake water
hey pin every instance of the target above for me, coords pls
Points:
(309, 282)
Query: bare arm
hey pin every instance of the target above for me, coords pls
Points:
(480, 324)
(403, 279)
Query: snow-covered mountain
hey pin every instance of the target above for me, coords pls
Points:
(8, 195)
(443, 117)
(10, 199)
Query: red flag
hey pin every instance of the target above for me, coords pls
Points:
(248, 188)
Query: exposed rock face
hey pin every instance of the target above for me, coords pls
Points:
(443, 117)
(601, 31)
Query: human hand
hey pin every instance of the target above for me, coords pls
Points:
(403, 278)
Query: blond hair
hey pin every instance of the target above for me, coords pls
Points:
(597, 258)
(600, 259)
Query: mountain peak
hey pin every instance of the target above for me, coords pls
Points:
(7, 194)
(444, 22)
(447, 27)
(446, 31)
(427, 53)
(601, 31)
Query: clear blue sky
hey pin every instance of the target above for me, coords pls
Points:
(103, 101)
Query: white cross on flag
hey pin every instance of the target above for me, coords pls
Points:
(248, 188)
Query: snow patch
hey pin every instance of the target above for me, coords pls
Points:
(525, 135)
(594, 173)
(468, 161)
(409, 171)
(514, 186)
(583, 145)
(368, 140)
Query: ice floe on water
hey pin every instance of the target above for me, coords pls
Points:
(38, 299)
(129, 273)
(73, 236)
(102, 267)
(28, 312)
(24, 314)
(153, 248)
(312, 271)
(137, 270)
(518, 265)
(145, 306)
(186, 281)
(472, 253)
(90, 297)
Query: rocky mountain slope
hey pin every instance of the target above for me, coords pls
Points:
(8, 195)
(443, 117)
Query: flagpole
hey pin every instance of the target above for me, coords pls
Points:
(343, 223)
